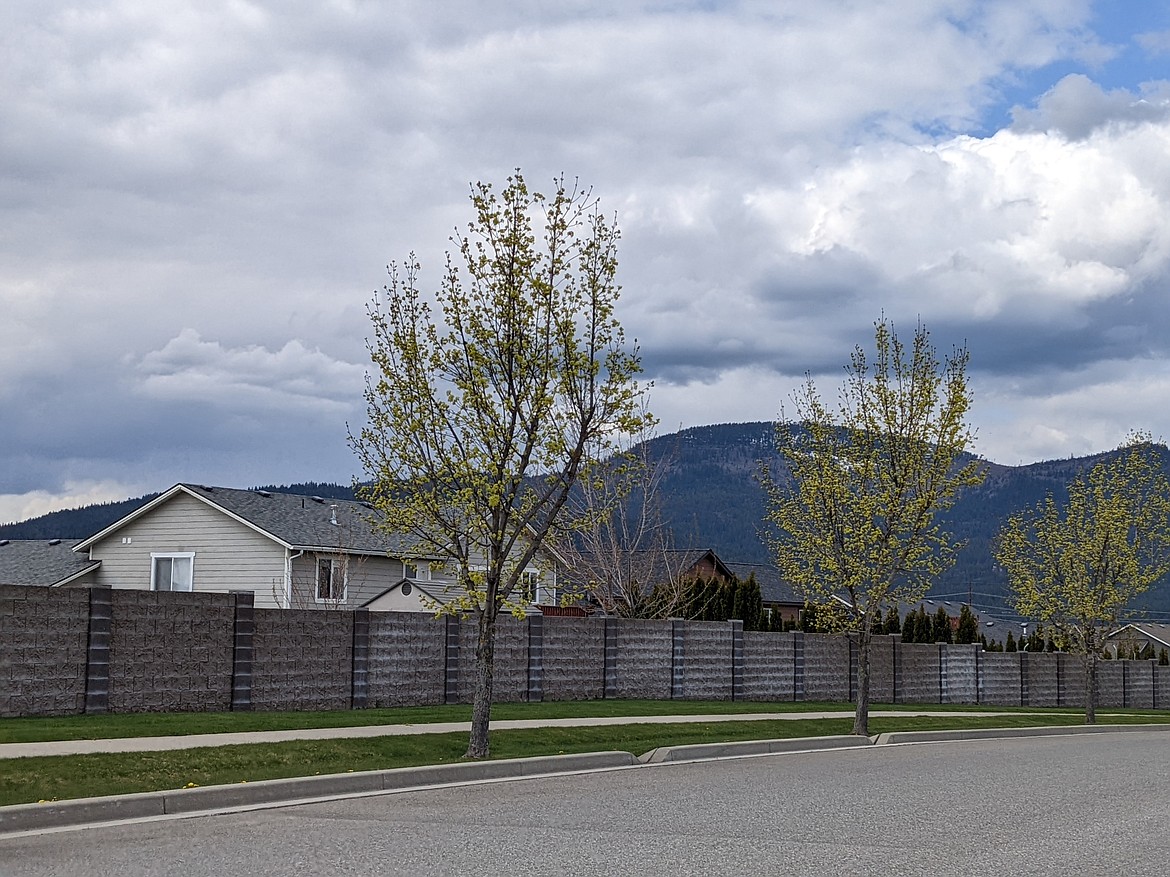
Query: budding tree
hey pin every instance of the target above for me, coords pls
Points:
(481, 421)
(1078, 566)
(856, 513)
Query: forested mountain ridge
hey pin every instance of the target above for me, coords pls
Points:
(712, 497)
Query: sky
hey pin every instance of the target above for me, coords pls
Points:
(198, 201)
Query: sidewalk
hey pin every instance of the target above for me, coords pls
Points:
(194, 741)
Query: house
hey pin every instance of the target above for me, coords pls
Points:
(290, 551)
(777, 594)
(45, 562)
(672, 568)
(1135, 636)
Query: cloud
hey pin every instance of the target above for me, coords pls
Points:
(1076, 107)
(249, 379)
(1154, 42)
(19, 507)
(1059, 413)
(1017, 229)
(198, 199)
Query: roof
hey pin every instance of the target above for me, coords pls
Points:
(42, 562)
(773, 588)
(993, 628)
(1151, 630)
(300, 523)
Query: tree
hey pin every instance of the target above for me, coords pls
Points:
(893, 623)
(968, 630)
(481, 423)
(942, 626)
(622, 558)
(910, 627)
(1077, 567)
(856, 514)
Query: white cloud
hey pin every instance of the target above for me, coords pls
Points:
(1029, 226)
(253, 378)
(73, 494)
(1057, 414)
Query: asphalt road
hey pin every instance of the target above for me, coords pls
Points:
(1090, 804)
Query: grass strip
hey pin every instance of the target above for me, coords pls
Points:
(35, 730)
(25, 780)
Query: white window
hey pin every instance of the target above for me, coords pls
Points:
(411, 570)
(330, 580)
(172, 572)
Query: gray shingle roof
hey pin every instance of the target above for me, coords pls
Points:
(41, 561)
(1149, 629)
(773, 589)
(305, 522)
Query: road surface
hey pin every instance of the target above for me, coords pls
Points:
(1089, 804)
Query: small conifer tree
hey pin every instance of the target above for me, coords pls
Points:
(1010, 645)
(910, 627)
(942, 626)
(893, 620)
(968, 628)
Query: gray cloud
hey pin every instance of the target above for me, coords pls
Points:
(198, 200)
(1076, 107)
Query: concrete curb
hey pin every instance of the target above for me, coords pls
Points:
(209, 799)
(991, 733)
(704, 751)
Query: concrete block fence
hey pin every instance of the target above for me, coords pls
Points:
(69, 651)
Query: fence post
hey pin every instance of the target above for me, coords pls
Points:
(535, 658)
(736, 659)
(360, 672)
(97, 655)
(798, 665)
(677, 659)
(451, 663)
(243, 643)
(611, 651)
(943, 674)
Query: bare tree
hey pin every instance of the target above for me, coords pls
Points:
(621, 555)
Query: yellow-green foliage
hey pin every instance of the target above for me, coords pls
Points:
(857, 515)
(489, 399)
(1078, 566)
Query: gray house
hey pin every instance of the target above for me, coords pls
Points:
(291, 551)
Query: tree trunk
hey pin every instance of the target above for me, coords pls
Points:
(1091, 659)
(861, 717)
(481, 710)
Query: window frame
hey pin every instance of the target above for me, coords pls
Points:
(417, 566)
(337, 567)
(156, 556)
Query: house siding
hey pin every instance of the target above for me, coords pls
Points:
(229, 556)
(366, 578)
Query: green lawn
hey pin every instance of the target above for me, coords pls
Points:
(26, 780)
(170, 724)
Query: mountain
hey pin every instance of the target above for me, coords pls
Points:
(712, 497)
